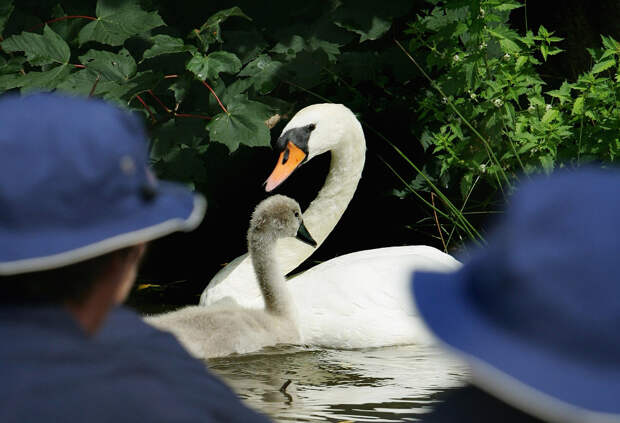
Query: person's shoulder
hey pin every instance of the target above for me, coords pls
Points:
(158, 370)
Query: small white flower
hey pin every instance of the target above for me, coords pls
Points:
(483, 168)
(482, 12)
(444, 100)
(547, 107)
(482, 46)
(498, 102)
(456, 58)
(531, 108)
(506, 56)
(473, 96)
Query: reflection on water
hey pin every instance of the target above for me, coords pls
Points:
(380, 384)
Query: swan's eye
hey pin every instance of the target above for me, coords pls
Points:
(296, 214)
(311, 127)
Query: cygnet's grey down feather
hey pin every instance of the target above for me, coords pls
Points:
(225, 327)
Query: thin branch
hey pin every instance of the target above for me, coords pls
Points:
(62, 18)
(146, 107)
(159, 101)
(171, 76)
(445, 247)
(215, 95)
(79, 66)
(189, 115)
(92, 90)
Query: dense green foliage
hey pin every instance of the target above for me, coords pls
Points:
(465, 96)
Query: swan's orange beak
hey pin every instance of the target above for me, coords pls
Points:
(290, 158)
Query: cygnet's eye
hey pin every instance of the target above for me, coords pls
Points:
(296, 214)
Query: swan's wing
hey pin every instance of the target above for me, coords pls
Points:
(364, 299)
(238, 280)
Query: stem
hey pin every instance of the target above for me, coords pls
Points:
(79, 66)
(189, 115)
(146, 107)
(525, 13)
(159, 101)
(445, 247)
(299, 87)
(215, 95)
(171, 76)
(92, 90)
(62, 18)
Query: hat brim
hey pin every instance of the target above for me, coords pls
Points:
(174, 208)
(549, 384)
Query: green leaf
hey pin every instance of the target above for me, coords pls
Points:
(508, 6)
(209, 67)
(550, 115)
(43, 81)
(263, 72)
(113, 67)
(118, 21)
(141, 82)
(6, 9)
(291, 47)
(578, 106)
(243, 124)
(509, 46)
(165, 44)
(367, 31)
(181, 87)
(544, 50)
(39, 49)
(547, 163)
(211, 28)
(82, 83)
(521, 60)
(603, 66)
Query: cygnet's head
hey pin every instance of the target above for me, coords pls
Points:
(278, 216)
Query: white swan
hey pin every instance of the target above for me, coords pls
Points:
(227, 328)
(357, 300)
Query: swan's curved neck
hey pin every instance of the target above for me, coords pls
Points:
(278, 299)
(324, 212)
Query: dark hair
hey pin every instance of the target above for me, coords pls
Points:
(56, 286)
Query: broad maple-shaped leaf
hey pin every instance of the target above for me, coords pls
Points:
(263, 72)
(118, 21)
(117, 67)
(82, 83)
(165, 44)
(210, 66)
(40, 50)
(36, 81)
(211, 28)
(243, 124)
(140, 83)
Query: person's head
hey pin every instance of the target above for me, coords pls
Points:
(536, 312)
(73, 284)
(78, 201)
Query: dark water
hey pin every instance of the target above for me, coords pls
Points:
(373, 385)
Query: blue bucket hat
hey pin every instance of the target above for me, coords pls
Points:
(536, 313)
(75, 184)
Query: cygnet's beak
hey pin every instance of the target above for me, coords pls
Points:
(290, 158)
(304, 236)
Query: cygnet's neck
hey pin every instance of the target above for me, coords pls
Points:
(278, 300)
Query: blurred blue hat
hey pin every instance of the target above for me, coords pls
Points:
(536, 313)
(75, 184)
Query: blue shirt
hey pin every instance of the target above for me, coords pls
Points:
(51, 371)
